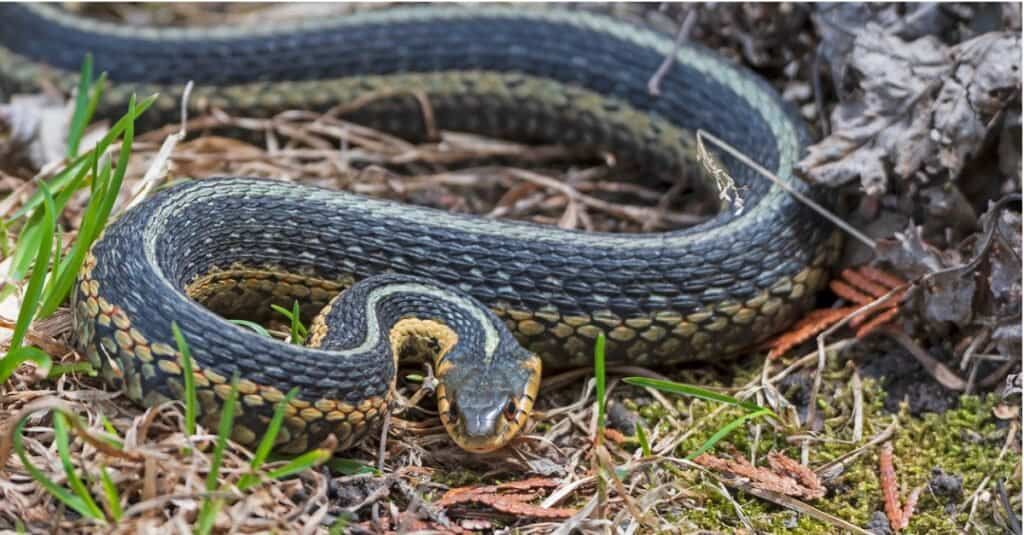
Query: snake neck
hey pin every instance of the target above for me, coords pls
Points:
(487, 381)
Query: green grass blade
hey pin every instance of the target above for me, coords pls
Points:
(728, 428)
(60, 432)
(191, 399)
(302, 462)
(94, 100)
(110, 494)
(298, 330)
(30, 302)
(227, 420)
(25, 248)
(256, 327)
(208, 515)
(693, 391)
(32, 232)
(267, 442)
(80, 118)
(84, 368)
(641, 437)
(92, 223)
(599, 374)
(210, 508)
(61, 179)
(350, 467)
(58, 492)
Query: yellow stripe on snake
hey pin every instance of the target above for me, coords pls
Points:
(489, 300)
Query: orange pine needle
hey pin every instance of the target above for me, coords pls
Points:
(864, 283)
(849, 293)
(876, 322)
(890, 488)
(808, 327)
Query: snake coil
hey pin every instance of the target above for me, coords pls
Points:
(489, 300)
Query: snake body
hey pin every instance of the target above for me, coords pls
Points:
(490, 299)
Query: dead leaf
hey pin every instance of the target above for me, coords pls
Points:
(909, 253)
(916, 105)
(985, 77)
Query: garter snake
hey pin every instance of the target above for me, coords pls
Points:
(490, 299)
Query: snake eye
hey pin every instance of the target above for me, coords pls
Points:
(511, 409)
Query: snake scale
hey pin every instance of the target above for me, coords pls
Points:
(489, 300)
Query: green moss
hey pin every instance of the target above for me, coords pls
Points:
(965, 441)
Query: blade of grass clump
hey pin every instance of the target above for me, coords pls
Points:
(65, 183)
(111, 495)
(191, 399)
(101, 176)
(267, 442)
(298, 330)
(256, 327)
(58, 492)
(60, 433)
(93, 222)
(30, 302)
(32, 233)
(61, 179)
(692, 391)
(211, 506)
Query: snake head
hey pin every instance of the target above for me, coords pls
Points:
(483, 407)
